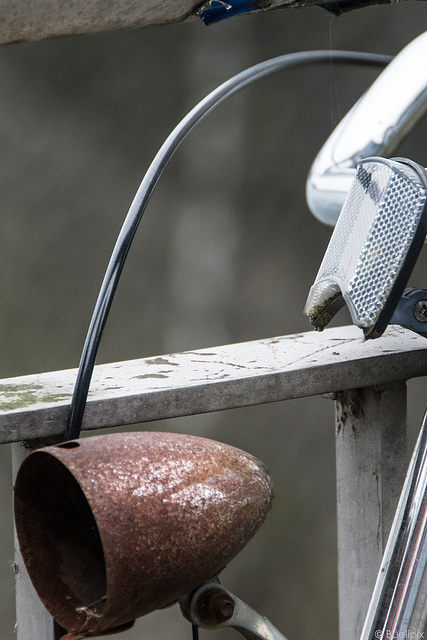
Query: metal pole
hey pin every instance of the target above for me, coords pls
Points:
(32, 619)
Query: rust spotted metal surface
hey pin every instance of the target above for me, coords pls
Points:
(113, 527)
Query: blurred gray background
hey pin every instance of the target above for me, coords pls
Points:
(227, 250)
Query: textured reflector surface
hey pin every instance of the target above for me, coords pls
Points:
(371, 240)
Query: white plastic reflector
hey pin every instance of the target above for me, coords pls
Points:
(374, 245)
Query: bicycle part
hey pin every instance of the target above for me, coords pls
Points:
(216, 10)
(148, 184)
(213, 607)
(374, 246)
(397, 608)
(373, 127)
(115, 526)
(411, 311)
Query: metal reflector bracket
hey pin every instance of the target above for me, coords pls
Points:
(374, 246)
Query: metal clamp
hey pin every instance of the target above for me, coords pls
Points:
(411, 311)
(213, 607)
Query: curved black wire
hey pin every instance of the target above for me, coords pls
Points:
(142, 197)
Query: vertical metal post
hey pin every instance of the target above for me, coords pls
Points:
(32, 619)
(371, 467)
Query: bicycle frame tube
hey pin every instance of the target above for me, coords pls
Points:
(373, 127)
(398, 604)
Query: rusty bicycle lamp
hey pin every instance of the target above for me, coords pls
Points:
(113, 527)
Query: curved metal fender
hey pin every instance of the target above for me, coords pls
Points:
(373, 127)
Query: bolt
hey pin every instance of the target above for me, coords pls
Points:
(216, 606)
(420, 311)
(226, 609)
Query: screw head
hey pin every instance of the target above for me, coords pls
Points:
(420, 311)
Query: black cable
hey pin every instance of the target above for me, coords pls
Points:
(142, 197)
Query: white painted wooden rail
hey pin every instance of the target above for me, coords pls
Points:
(367, 379)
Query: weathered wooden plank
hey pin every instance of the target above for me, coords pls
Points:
(211, 379)
(28, 21)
